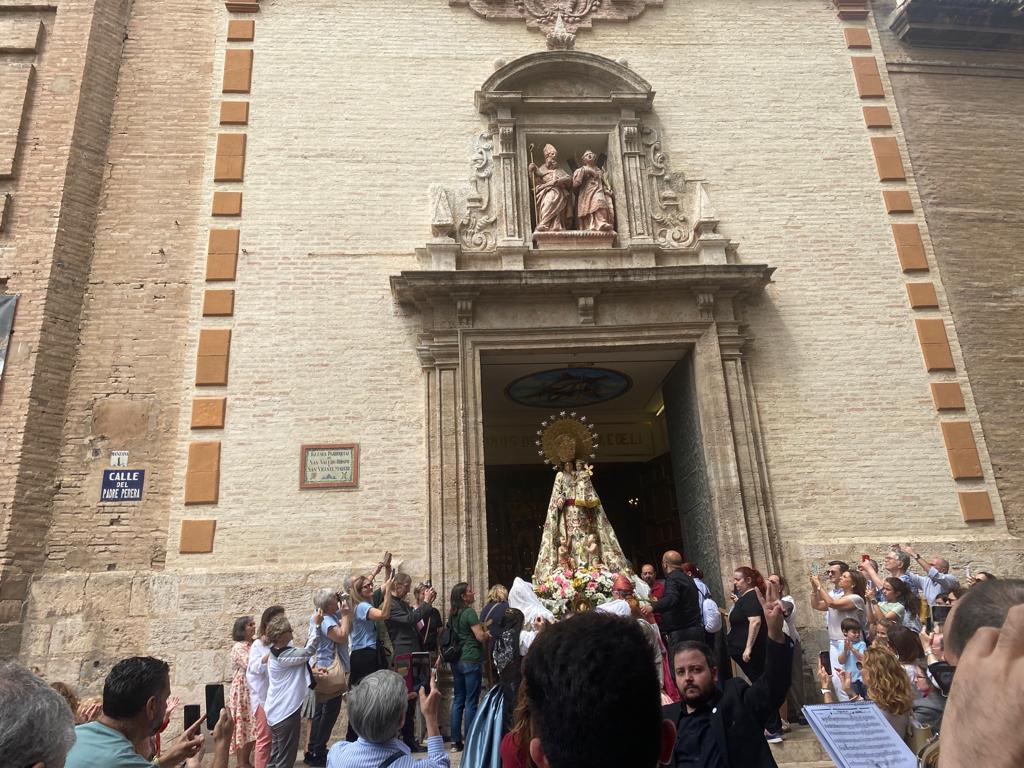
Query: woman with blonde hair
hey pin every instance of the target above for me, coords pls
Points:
(492, 615)
(887, 683)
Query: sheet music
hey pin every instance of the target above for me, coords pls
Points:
(857, 735)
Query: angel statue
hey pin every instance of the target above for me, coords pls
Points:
(577, 533)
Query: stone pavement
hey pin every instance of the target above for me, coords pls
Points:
(800, 750)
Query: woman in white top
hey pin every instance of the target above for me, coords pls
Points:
(850, 604)
(257, 679)
(290, 678)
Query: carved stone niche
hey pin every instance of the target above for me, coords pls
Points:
(571, 101)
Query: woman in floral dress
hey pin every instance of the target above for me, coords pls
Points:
(244, 735)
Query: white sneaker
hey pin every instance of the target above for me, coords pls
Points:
(773, 738)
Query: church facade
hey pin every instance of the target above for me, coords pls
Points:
(290, 292)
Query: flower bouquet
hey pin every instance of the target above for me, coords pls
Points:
(567, 590)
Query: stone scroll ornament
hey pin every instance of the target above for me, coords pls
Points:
(559, 19)
(477, 227)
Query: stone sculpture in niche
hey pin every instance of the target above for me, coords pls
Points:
(551, 192)
(595, 211)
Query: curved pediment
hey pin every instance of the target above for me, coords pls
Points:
(572, 79)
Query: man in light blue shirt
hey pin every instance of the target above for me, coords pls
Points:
(938, 581)
(134, 707)
(376, 710)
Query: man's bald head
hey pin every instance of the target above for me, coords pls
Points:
(671, 561)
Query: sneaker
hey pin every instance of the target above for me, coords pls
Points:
(457, 746)
(786, 727)
(773, 737)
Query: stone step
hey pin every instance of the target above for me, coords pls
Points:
(800, 748)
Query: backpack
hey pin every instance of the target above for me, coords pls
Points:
(448, 641)
(710, 615)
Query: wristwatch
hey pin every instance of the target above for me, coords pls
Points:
(825, 691)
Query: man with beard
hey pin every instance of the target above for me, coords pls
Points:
(725, 728)
(135, 697)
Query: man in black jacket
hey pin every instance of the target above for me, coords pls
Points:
(725, 728)
(680, 606)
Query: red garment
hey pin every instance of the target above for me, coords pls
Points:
(657, 592)
(512, 754)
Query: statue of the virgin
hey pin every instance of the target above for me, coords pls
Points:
(577, 533)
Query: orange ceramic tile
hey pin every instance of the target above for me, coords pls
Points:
(887, 158)
(910, 247)
(961, 450)
(922, 295)
(237, 70)
(221, 266)
(214, 341)
(227, 203)
(234, 112)
(223, 241)
(897, 201)
(857, 37)
(229, 164)
(947, 396)
(877, 117)
(208, 412)
(241, 30)
(976, 506)
(865, 73)
(931, 333)
(218, 303)
(197, 536)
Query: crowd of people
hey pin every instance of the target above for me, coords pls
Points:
(578, 691)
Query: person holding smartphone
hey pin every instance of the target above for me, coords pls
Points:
(135, 695)
(363, 656)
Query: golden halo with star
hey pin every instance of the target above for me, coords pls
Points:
(555, 433)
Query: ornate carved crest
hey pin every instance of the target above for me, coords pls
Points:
(559, 19)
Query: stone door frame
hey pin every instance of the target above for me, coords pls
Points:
(457, 508)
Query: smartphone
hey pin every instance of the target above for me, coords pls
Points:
(929, 627)
(214, 703)
(826, 661)
(939, 613)
(192, 712)
(967, 572)
(422, 669)
(864, 558)
(814, 569)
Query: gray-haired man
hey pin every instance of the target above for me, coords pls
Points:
(376, 710)
(36, 725)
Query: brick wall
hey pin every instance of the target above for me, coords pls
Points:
(127, 387)
(46, 252)
(961, 113)
(355, 111)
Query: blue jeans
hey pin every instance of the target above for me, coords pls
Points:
(466, 675)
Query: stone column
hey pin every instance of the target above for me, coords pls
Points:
(637, 213)
(448, 545)
(746, 435)
(511, 228)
